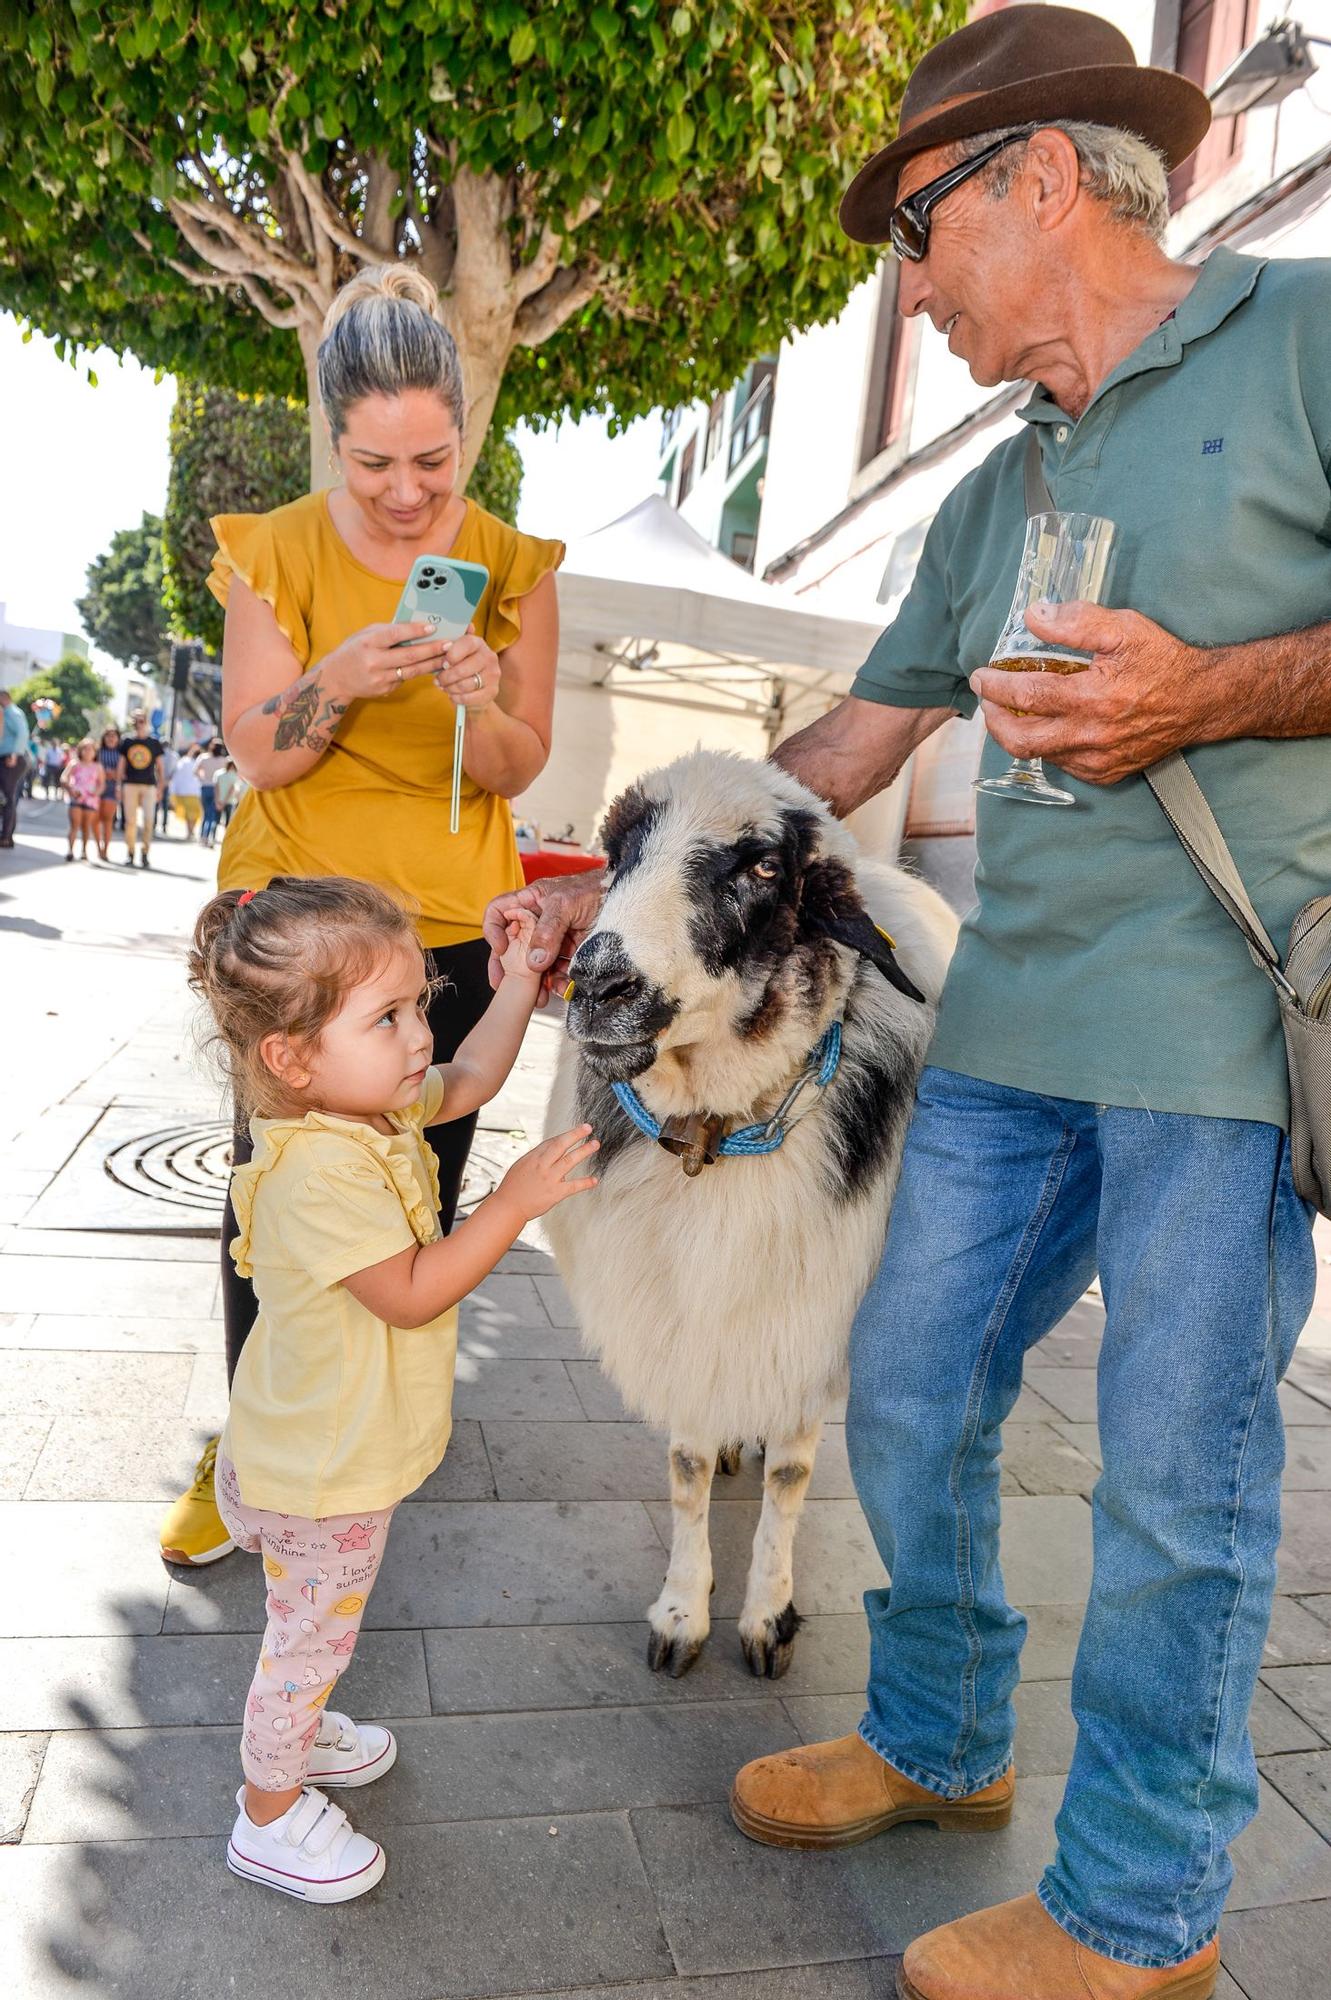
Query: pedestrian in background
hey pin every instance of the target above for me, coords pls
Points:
(108, 756)
(228, 786)
(83, 781)
(142, 783)
(53, 760)
(14, 741)
(209, 765)
(170, 761)
(186, 792)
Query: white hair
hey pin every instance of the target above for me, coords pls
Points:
(1118, 168)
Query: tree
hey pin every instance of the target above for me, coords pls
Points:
(230, 454)
(621, 202)
(122, 611)
(496, 477)
(72, 683)
(234, 454)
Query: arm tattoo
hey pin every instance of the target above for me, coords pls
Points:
(307, 719)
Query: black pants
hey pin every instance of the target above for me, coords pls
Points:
(454, 1011)
(12, 777)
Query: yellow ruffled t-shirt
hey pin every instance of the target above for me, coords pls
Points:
(333, 1410)
(376, 804)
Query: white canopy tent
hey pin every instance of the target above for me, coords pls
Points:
(650, 609)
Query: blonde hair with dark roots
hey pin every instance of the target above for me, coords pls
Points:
(383, 334)
(282, 962)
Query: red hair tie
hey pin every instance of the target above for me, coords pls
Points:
(245, 896)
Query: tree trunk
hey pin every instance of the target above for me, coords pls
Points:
(483, 375)
(323, 468)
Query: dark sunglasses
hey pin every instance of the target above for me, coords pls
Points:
(909, 224)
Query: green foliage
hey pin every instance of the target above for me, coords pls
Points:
(79, 690)
(122, 611)
(717, 140)
(496, 477)
(230, 454)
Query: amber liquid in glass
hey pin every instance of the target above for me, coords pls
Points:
(1037, 663)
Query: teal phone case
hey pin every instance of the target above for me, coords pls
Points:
(444, 592)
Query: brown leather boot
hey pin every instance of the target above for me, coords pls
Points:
(1016, 1951)
(835, 1794)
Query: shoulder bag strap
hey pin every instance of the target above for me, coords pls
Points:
(1179, 796)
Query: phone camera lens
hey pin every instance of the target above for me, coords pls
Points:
(427, 575)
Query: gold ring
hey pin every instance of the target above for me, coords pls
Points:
(479, 680)
(398, 672)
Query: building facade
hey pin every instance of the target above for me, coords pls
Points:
(26, 649)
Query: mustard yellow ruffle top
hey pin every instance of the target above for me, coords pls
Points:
(376, 804)
(333, 1410)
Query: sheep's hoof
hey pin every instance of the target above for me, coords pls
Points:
(671, 1653)
(728, 1459)
(769, 1651)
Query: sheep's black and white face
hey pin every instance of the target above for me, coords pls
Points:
(728, 898)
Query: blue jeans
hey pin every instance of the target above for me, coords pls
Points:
(1007, 1206)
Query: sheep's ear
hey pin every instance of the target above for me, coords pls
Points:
(830, 906)
(862, 934)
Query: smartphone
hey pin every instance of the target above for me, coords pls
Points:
(444, 592)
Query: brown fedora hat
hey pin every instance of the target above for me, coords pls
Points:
(1020, 66)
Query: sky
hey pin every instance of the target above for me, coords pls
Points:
(82, 461)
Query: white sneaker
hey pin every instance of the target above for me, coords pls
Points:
(350, 1753)
(312, 1851)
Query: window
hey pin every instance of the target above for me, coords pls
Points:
(891, 373)
(1211, 34)
(715, 419)
(686, 472)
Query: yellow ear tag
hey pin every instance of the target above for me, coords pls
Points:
(884, 934)
(568, 990)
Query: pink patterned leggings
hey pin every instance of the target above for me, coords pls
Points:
(320, 1575)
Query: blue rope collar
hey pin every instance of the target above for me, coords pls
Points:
(820, 1066)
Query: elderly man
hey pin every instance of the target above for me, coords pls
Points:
(14, 740)
(1107, 1088)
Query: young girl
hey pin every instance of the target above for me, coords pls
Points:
(84, 780)
(108, 756)
(340, 1403)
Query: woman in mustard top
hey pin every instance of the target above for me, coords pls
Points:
(347, 745)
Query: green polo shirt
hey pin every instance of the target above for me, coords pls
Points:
(1096, 966)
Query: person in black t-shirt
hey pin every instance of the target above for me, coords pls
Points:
(141, 784)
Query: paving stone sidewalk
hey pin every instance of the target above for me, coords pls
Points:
(556, 1822)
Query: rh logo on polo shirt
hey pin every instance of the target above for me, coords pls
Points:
(1212, 445)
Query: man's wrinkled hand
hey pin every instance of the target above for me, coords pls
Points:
(565, 907)
(1141, 697)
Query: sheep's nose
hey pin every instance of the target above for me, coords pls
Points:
(603, 973)
(611, 988)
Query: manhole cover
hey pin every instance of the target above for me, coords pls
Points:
(188, 1165)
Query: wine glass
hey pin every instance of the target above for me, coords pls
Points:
(1064, 559)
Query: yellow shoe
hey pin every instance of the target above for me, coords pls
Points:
(193, 1531)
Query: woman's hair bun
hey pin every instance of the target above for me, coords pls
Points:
(384, 281)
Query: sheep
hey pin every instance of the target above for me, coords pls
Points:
(739, 927)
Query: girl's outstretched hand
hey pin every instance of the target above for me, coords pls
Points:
(520, 928)
(540, 1180)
